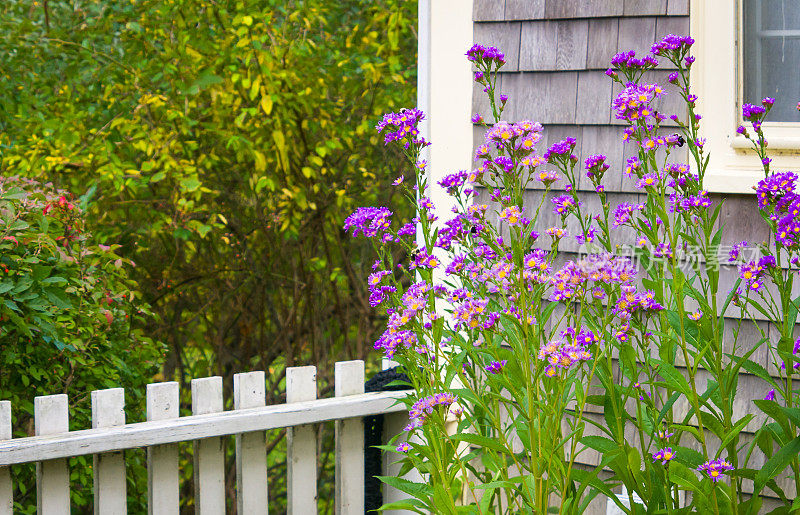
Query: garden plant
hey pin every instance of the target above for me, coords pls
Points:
(509, 347)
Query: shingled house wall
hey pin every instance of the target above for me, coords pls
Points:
(557, 52)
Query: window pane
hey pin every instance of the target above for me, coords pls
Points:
(772, 55)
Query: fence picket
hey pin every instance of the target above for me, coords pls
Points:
(6, 487)
(301, 446)
(162, 460)
(209, 453)
(51, 416)
(349, 380)
(110, 489)
(250, 391)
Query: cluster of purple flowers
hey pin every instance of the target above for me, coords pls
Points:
(390, 340)
(624, 211)
(687, 203)
(584, 337)
(776, 189)
(574, 277)
(671, 140)
(455, 181)
(776, 193)
(458, 227)
(631, 302)
(671, 43)
(752, 112)
(370, 221)
(562, 354)
(561, 149)
(664, 455)
(524, 135)
(402, 126)
(425, 406)
(634, 102)
(682, 177)
(470, 313)
(715, 468)
(564, 204)
(413, 302)
(513, 216)
(378, 292)
(423, 260)
(487, 55)
(495, 366)
(596, 167)
(627, 61)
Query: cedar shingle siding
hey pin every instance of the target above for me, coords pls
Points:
(557, 52)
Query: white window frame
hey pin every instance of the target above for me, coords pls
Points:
(716, 78)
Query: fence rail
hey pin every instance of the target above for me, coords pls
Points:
(206, 428)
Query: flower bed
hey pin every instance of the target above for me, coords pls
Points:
(507, 351)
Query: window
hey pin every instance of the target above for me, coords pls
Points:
(771, 54)
(746, 50)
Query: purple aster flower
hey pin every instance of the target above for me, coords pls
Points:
(715, 468)
(752, 113)
(560, 149)
(672, 44)
(369, 221)
(564, 204)
(664, 455)
(403, 447)
(736, 250)
(495, 366)
(402, 126)
(770, 396)
(633, 102)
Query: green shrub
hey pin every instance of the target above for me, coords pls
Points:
(67, 313)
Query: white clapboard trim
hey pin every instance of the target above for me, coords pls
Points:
(209, 453)
(301, 457)
(393, 425)
(349, 380)
(250, 391)
(110, 490)
(6, 488)
(162, 460)
(144, 434)
(51, 416)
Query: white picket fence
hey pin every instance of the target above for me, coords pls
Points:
(207, 427)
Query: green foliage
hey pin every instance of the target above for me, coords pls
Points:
(221, 144)
(66, 307)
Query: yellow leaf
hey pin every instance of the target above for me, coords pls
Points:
(247, 20)
(260, 161)
(266, 104)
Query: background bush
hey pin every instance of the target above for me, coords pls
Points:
(221, 145)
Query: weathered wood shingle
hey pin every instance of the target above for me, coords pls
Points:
(488, 10)
(539, 40)
(543, 97)
(571, 45)
(503, 35)
(524, 9)
(602, 43)
(678, 7)
(636, 34)
(645, 7)
(594, 94)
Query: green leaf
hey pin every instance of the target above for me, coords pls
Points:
(418, 490)
(480, 440)
(777, 463)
